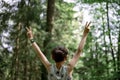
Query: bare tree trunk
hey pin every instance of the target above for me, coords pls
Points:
(118, 56)
(49, 27)
(15, 62)
(109, 31)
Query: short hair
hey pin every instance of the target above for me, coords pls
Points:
(59, 53)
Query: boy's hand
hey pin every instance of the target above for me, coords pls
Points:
(29, 33)
(87, 27)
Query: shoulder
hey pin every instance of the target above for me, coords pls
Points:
(70, 68)
(49, 67)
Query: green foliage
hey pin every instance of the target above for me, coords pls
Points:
(99, 1)
(96, 62)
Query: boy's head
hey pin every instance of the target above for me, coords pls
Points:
(59, 54)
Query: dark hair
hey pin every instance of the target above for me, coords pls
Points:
(59, 53)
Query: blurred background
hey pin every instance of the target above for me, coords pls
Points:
(60, 22)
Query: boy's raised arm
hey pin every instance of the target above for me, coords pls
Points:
(76, 56)
(42, 57)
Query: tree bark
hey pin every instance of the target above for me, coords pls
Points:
(15, 62)
(48, 29)
(118, 56)
(109, 35)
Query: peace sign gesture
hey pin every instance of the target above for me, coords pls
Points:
(29, 33)
(87, 27)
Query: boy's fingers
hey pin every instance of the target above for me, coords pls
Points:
(30, 28)
(27, 28)
(86, 24)
(89, 24)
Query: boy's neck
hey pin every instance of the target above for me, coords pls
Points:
(59, 64)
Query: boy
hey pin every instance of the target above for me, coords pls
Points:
(59, 71)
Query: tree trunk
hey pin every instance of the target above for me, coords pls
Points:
(109, 31)
(15, 62)
(48, 29)
(118, 56)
